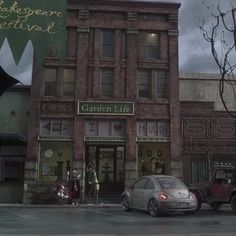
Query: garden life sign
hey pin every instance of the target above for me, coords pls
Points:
(29, 29)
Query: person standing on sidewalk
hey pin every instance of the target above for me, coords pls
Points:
(92, 181)
(74, 188)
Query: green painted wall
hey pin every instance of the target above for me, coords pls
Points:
(14, 107)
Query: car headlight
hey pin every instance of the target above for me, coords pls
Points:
(163, 196)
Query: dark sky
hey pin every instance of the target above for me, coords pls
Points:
(194, 52)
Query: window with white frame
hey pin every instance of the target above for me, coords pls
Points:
(108, 38)
(152, 83)
(107, 81)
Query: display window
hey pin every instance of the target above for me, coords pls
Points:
(55, 161)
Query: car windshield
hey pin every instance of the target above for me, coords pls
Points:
(170, 183)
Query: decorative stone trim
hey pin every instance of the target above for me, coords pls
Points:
(83, 29)
(133, 16)
(132, 31)
(57, 108)
(173, 18)
(173, 32)
(83, 14)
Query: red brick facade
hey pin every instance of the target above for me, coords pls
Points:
(130, 21)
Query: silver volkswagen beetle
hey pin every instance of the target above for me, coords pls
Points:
(159, 194)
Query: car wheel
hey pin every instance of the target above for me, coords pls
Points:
(233, 203)
(153, 208)
(199, 201)
(215, 205)
(125, 203)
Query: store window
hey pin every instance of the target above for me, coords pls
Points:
(55, 161)
(153, 158)
(152, 46)
(149, 79)
(157, 128)
(56, 127)
(105, 128)
(108, 37)
(107, 81)
(58, 81)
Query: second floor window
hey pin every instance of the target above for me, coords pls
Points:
(152, 47)
(152, 83)
(50, 82)
(107, 81)
(58, 81)
(144, 83)
(108, 38)
(68, 82)
(161, 84)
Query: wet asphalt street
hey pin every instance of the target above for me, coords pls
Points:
(112, 221)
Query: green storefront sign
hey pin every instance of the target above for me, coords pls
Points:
(105, 108)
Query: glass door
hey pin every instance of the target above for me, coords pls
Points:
(106, 164)
(109, 164)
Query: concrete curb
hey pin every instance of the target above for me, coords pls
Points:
(92, 205)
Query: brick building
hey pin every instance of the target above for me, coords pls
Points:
(113, 102)
(208, 132)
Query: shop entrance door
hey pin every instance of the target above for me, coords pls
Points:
(109, 166)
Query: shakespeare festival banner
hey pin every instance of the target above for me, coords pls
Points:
(28, 30)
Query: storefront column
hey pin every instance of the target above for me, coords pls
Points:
(131, 158)
(78, 162)
(32, 160)
(131, 152)
(82, 77)
(176, 163)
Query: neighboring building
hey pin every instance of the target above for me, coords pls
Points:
(114, 101)
(14, 105)
(208, 132)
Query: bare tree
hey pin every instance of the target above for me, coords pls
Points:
(218, 27)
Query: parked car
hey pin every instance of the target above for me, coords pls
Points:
(219, 189)
(159, 194)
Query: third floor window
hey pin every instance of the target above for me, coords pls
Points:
(108, 39)
(152, 46)
(107, 81)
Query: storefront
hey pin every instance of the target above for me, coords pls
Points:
(112, 103)
(105, 141)
(153, 147)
